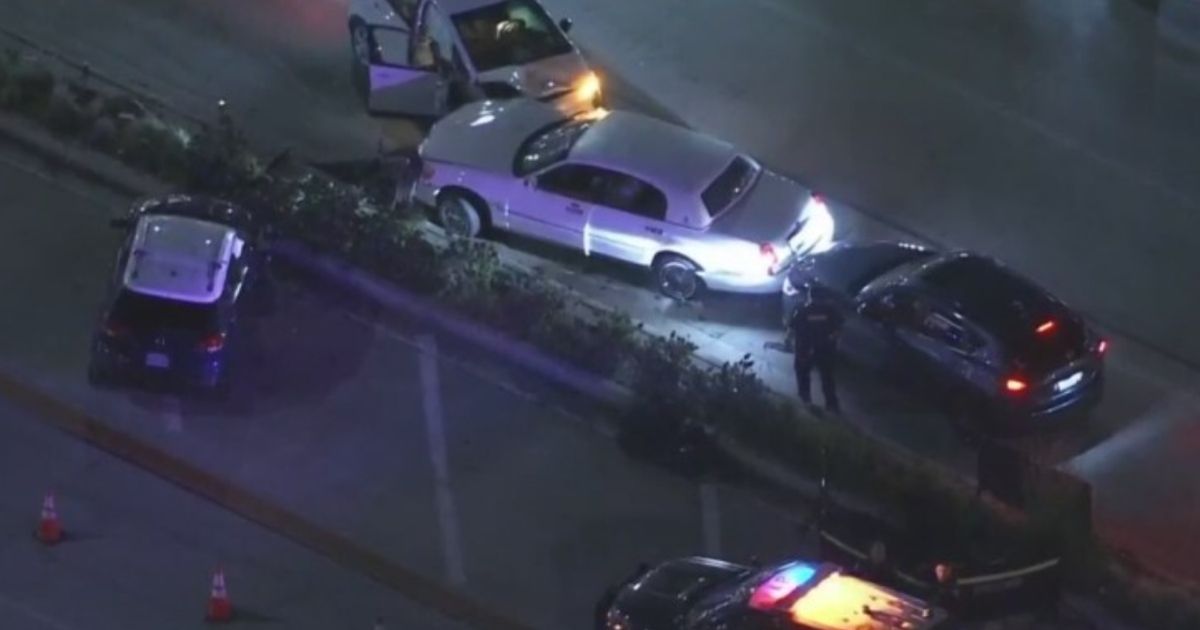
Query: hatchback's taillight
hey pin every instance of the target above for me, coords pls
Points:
(1102, 347)
(213, 342)
(114, 329)
(1015, 385)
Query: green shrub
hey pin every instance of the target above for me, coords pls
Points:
(8, 66)
(29, 89)
(65, 117)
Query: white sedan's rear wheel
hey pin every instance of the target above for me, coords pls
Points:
(677, 277)
(459, 216)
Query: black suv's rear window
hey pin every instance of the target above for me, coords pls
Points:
(141, 312)
(1036, 330)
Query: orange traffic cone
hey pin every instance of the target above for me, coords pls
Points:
(49, 530)
(220, 609)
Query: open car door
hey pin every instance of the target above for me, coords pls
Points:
(397, 85)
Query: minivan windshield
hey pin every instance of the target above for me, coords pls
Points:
(509, 33)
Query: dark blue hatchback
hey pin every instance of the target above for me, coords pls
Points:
(181, 277)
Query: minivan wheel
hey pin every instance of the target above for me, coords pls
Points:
(459, 217)
(677, 278)
(360, 43)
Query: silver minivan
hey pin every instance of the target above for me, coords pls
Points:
(425, 57)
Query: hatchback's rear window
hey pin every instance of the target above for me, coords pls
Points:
(1013, 310)
(729, 186)
(141, 312)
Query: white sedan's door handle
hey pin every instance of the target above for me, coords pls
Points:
(574, 208)
(654, 230)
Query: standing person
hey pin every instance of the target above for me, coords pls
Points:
(813, 328)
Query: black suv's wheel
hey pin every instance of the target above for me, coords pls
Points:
(677, 277)
(459, 216)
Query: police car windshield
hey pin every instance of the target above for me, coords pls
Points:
(143, 312)
(511, 33)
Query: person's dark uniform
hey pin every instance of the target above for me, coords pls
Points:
(813, 329)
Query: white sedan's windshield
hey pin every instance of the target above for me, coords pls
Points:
(509, 33)
(548, 146)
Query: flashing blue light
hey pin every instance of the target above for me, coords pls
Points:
(785, 581)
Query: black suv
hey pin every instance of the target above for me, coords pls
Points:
(966, 320)
(182, 274)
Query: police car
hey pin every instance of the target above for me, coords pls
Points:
(179, 281)
(708, 594)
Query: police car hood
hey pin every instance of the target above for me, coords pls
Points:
(487, 134)
(846, 268)
(658, 599)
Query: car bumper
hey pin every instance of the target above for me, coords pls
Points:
(183, 371)
(739, 283)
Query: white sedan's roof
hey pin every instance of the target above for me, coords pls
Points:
(680, 161)
(180, 258)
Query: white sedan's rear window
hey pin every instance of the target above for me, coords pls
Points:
(729, 186)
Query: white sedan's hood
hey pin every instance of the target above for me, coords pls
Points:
(487, 134)
(542, 78)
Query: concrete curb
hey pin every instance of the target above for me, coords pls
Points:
(430, 313)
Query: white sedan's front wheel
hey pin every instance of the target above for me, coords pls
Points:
(459, 217)
(677, 277)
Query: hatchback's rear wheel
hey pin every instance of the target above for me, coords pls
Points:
(459, 216)
(677, 277)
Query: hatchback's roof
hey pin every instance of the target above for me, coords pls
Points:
(675, 158)
(180, 258)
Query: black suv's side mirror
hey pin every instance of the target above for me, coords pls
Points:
(565, 24)
(123, 223)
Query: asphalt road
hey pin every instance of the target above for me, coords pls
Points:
(426, 452)
(1054, 135)
(139, 553)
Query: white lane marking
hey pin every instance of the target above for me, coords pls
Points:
(46, 621)
(431, 396)
(172, 414)
(710, 519)
(470, 368)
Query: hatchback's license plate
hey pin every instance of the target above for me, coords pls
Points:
(1069, 382)
(157, 360)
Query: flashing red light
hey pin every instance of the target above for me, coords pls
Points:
(1046, 327)
(1102, 347)
(213, 342)
(767, 251)
(1015, 385)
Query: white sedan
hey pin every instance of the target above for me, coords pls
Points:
(619, 184)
